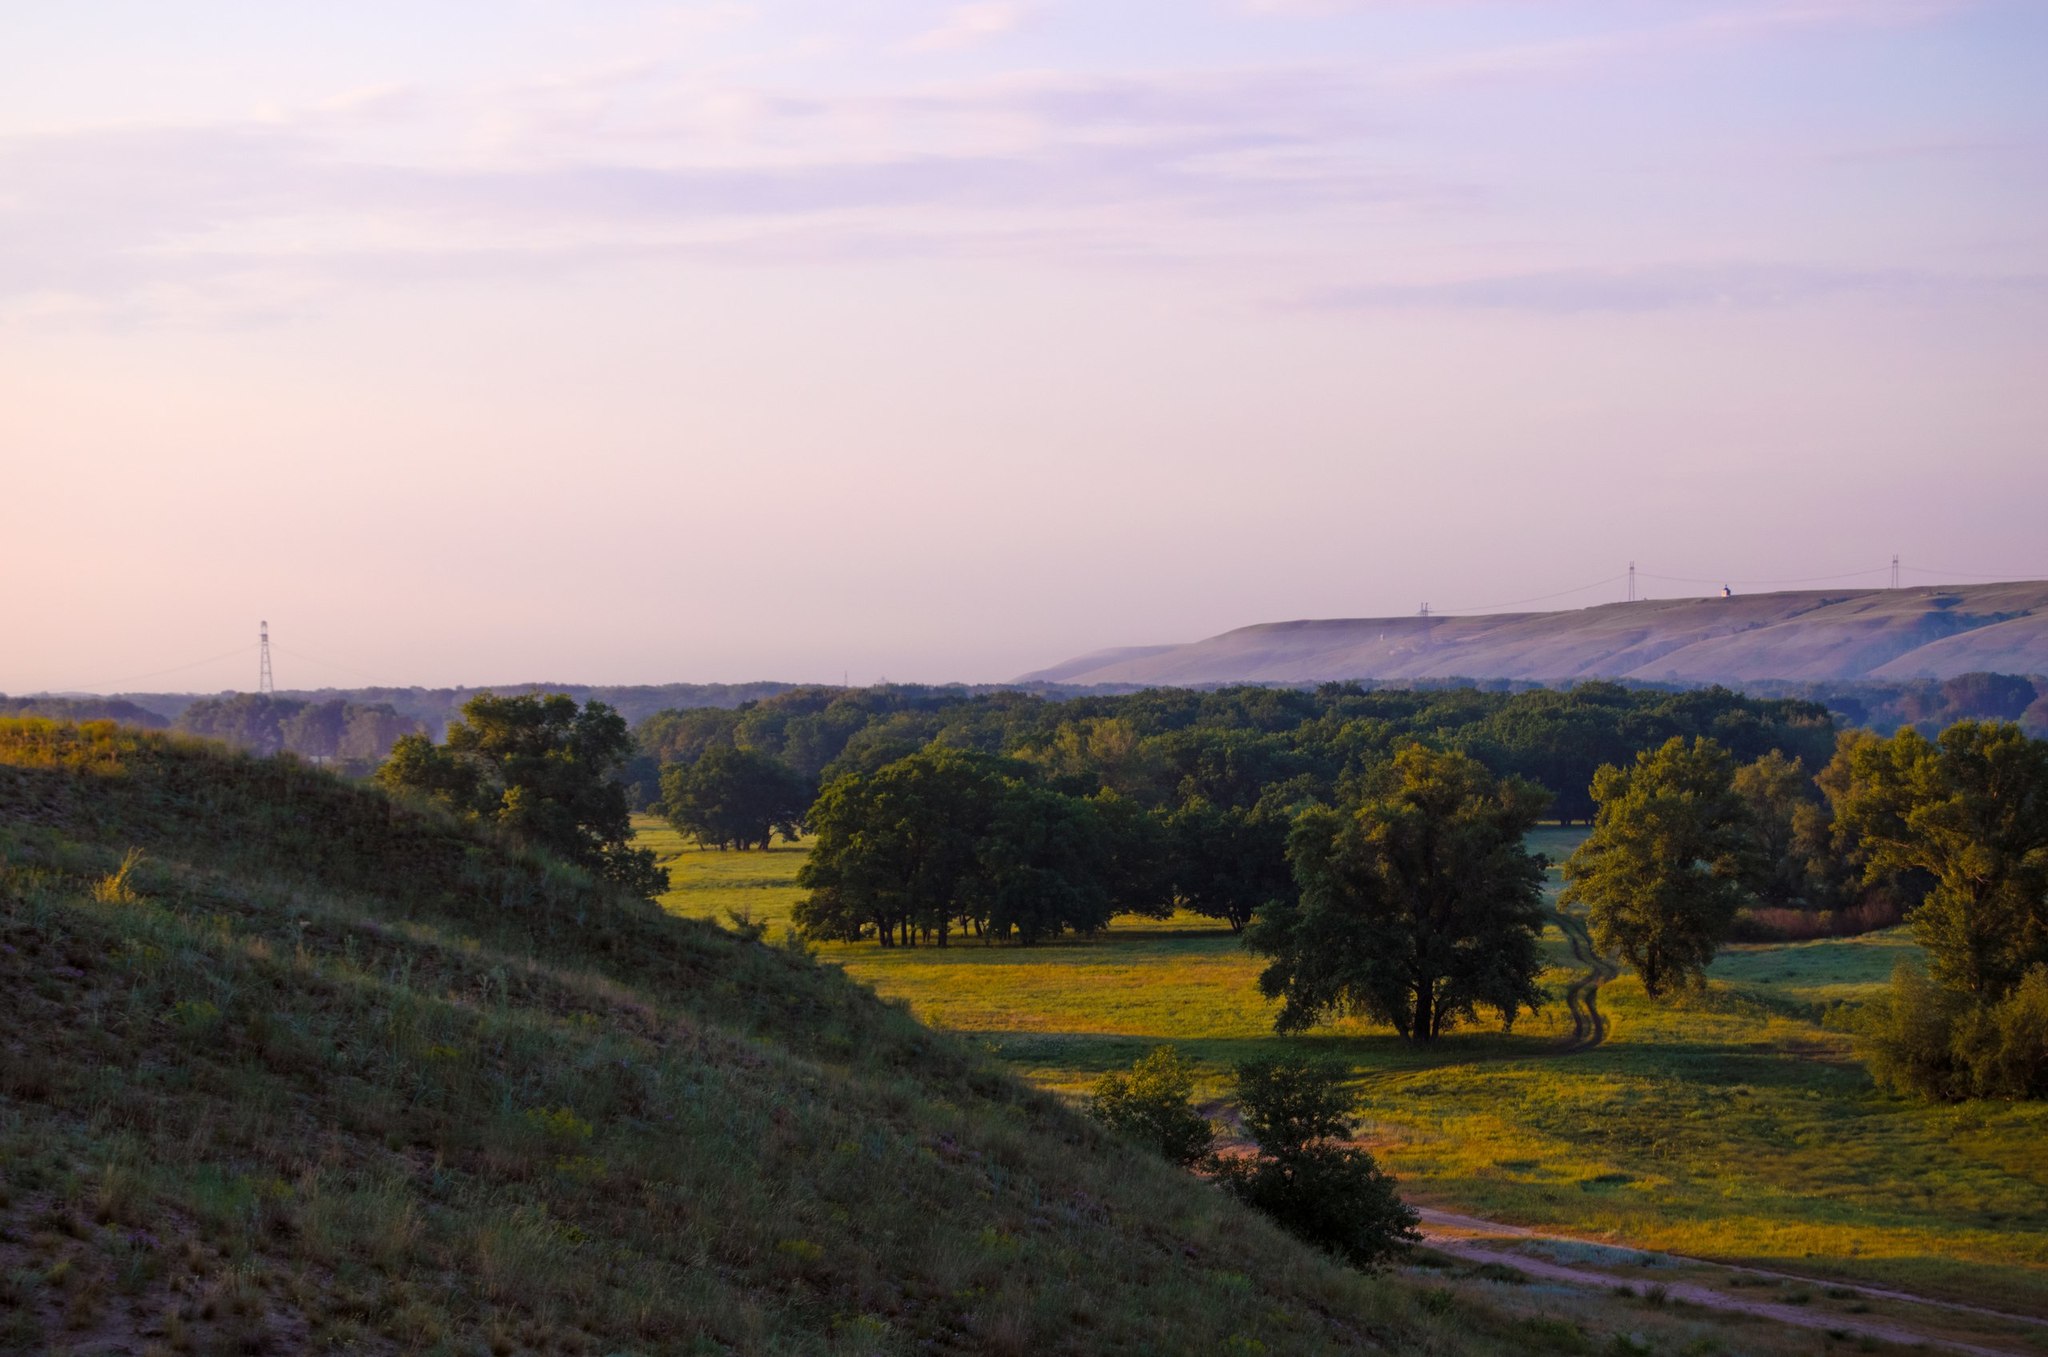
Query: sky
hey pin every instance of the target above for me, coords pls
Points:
(625, 343)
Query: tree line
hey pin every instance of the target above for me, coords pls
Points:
(1398, 889)
(355, 737)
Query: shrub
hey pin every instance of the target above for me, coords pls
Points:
(1331, 1195)
(1151, 1106)
(1918, 1038)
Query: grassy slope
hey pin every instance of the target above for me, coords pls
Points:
(1734, 1125)
(343, 1075)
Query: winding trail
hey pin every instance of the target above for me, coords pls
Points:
(1582, 996)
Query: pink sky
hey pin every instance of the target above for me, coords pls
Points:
(624, 343)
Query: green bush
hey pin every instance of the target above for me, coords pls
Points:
(1920, 1039)
(1333, 1196)
(1151, 1106)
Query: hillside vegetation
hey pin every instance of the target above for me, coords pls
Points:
(286, 1064)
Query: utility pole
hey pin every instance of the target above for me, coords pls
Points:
(263, 679)
(1895, 570)
(1631, 581)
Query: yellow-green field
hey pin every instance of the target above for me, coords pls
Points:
(1734, 1124)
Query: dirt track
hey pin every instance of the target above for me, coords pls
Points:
(1582, 996)
(1472, 1239)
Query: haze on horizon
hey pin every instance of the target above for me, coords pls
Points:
(636, 343)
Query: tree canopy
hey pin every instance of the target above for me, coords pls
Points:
(1417, 906)
(1663, 871)
(1971, 811)
(734, 798)
(543, 769)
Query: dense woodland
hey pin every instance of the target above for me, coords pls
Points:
(1370, 843)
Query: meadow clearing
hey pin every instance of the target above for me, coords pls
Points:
(1733, 1124)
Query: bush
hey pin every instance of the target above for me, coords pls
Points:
(1151, 1106)
(1920, 1039)
(1333, 1196)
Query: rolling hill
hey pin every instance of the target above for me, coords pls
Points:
(1810, 634)
(288, 1065)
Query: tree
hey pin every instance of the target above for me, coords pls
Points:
(1227, 863)
(1041, 869)
(1972, 813)
(1792, 864)
(896, 851)
(1417, 907)
(1334, 1196)
(1662, 873)
(543, 769)
(734, 798)
(1137, 857)
(1152, 1106)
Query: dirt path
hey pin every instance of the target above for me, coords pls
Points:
(1582, 996)
(1476, 1240)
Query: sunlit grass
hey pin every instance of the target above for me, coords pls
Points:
(1732, 1124)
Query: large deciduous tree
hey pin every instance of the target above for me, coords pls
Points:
(1228, 863)
(1968, 814)
(1418, 906)
(1665, 867)
(898, 851)
(1971, 811)
(543, 769)
(734, 798)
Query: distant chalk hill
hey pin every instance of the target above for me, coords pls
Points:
(1809, 634)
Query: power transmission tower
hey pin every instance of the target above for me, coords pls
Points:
(263, 680)
(1895, 570)
(1424, 612)
(1631, 581)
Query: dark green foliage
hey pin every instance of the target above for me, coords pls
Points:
(1332, 1195)
(542, 769)
(1151, 1106)
(1919, 1038)
(944, 841)
(1242, 747)
(734, 798)
(1417, 907)
(1663, 871)
(1971, 812)
(897, 853)
(1228, 863)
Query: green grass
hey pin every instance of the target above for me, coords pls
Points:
(326, 1072)
(1732, 1124)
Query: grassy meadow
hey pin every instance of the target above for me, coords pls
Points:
(1732, 1124)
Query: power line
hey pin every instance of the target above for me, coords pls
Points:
(1972, 574)
(346, 669)
(1810, 579)
(174, 669)
(1540, 598)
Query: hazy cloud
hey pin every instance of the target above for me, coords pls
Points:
(966, 25)
(1671, 287)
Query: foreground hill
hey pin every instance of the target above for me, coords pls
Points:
(1813, 635)
(325, 1071)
